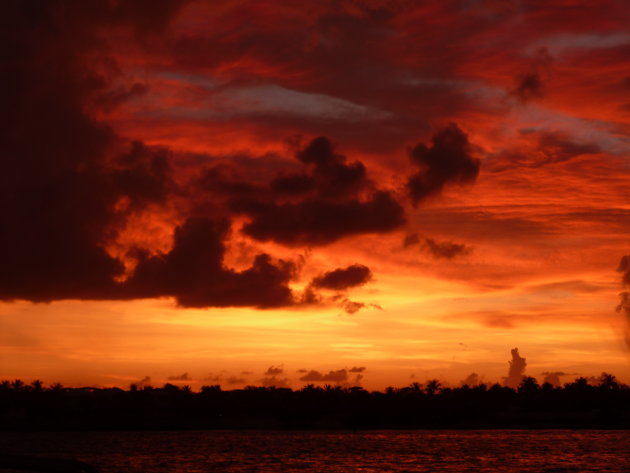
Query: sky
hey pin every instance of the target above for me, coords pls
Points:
(371, 193)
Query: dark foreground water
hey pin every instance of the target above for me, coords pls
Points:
(299, 451)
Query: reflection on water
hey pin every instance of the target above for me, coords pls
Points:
(372, 451)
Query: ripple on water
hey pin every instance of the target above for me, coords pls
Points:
(489, 451)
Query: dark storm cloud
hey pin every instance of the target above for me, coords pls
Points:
(293, 184)
(343, 278)
(193, 272)
(447, 161)
(331, 199)
(333, 177)
(224, 181)
(357, 369)
(317, 221)
(68, 186)
(58, 189)
(324, 200)
(328, 174)
(144, 175)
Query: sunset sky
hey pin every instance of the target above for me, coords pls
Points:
(260, 192)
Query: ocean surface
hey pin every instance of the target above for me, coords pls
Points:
(362, 451)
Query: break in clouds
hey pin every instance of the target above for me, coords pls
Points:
(71, 184)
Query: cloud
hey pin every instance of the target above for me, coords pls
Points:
(146, 381)
(553, 377)
(273, 99)
(472, 380)
(560, 147)
(544, 147)
(624, 269)
(193, 272)
(67, 201)
(230, 380)
(498, 320)
(516, 370)
(437, 249)
(335, 376)
(343, 278)
(213, 378)
(447, 161)
(624, 309)
(274, 370)
(319, 222)
(341, 377)
(571, 286)
(411, 239)
(275, 382)
(331, 199)
(352, 307)
(71, 184)
(530, 85)
(445, 249)
(233, 380)
(332, 175)
(624, 302)
(180, 377)
(60, 185)
(111, 99)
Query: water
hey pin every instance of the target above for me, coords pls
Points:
(538, 451)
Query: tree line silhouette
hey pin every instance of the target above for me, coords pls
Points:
(581, 403)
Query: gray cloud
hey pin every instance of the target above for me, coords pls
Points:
(516, 370)
(180, 377)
